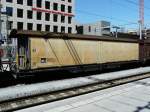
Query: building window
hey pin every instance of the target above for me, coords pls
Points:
(9, 1)
(20, 25)
(69, 20)
(63, 8)
(69, 29)
(29, 26)
(55, 6)
(55, 18)
(20, 13)
(89, 28)
(10, 24)
(62, 19)
(55, 29)
(39, 15)
(47, 5)
(63, 29)
(9, 11)
(70, 1)
(69, 9)
(95, 30)
(47, 16)
(39, 3)
(29, 2)
(29, 14)
(20, 2)
(39, 27)
(47, 28)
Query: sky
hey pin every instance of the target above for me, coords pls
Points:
(124, 13)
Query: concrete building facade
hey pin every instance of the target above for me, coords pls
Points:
(36, 15)
(98, 28)
(40, 15)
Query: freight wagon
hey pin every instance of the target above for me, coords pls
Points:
(44, 51)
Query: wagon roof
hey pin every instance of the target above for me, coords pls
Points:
(41, 34)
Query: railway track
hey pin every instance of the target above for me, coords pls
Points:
(27, 102)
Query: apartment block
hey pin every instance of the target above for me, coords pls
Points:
(40, 15)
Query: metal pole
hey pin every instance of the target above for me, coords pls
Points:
(116, 33)
(0, 18)
(7, 25)
(145, 36)
(0, 35)
(140, 28)
(141, 17)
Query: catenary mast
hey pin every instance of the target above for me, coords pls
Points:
(141, 16)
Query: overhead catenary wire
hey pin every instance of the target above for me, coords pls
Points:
(108, 17)
(126, 22)
(135, 3)
(122, 4)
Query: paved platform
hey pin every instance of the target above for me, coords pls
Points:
(19, 91)
(132, 97)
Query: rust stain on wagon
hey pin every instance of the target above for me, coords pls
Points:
(51, 60)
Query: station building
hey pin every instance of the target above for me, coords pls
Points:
(99, 28)
(40, 15)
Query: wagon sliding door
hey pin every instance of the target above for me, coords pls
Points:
(23, 53)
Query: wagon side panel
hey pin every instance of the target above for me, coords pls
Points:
(119, 51)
